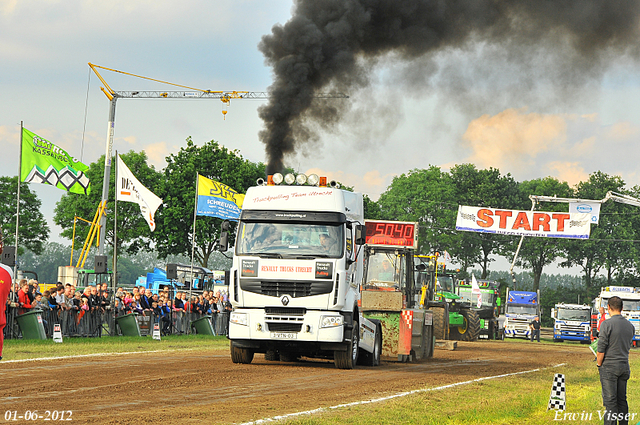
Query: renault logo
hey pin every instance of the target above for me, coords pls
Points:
(284, 300)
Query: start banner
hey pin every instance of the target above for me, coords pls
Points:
(527, 223)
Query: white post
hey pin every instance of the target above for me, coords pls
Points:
(15, 264)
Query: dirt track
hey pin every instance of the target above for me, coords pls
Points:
(192, 386)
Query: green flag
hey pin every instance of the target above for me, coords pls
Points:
(43, 162)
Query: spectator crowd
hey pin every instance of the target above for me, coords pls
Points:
(84, 313)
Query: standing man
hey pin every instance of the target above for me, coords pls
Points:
(616, 334)
(535, 328)
(6, 277)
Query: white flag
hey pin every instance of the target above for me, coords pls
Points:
(129, 189)
(475, 289)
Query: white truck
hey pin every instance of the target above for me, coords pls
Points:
(572, 322)
(294, 280)
(630, 305)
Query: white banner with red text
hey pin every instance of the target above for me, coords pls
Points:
(523, 223)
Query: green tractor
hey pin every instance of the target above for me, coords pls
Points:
(489, 308)
(454, 318)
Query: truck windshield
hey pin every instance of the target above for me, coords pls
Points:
(627, 305)
(575, 315)
(290, 239)
(525, 309)
(466, 295)
(385, 270)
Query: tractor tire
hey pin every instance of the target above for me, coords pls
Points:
(427, 342)
(440, 323)
(470, 330)
(240, 355)
(349, 358)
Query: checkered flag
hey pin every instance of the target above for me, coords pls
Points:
(558, 397)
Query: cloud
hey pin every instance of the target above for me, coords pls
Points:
(622, 131)
(371, 183)
(570, 172)
(513, 138)
(157, 152)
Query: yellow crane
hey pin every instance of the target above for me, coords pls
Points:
(188, 93)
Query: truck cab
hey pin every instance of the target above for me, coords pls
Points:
(572, 322)
(521, 308)
(630, 305)
(294, 280)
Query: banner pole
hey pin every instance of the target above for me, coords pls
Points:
(15, 264)
(193, 240)
(114, 277)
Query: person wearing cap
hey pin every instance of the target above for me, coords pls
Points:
(6, 277)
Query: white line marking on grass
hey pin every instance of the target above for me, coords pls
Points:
(35, 359)
(398, 395)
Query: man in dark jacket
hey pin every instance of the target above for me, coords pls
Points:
(614, 342)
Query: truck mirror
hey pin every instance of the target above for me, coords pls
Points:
(224, 241)
(360, 234)
(421, 267)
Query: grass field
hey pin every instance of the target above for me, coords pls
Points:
(16, 349)
(520, 399)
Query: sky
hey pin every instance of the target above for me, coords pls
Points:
(471, 104)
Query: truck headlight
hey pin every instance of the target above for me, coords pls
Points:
(239, 318)
(331, 321)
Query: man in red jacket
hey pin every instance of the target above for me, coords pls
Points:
(6, 277)
(23, 296)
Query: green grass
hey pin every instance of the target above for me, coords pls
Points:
(520, 399)
(17, 349)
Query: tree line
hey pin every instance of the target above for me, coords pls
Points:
(429, 196)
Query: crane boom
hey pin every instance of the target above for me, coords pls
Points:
(191, 93)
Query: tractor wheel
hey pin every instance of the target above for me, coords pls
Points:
(440, 323)
(241, 355)
(348, 359)
(470, 328)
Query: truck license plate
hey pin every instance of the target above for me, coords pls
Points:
(284, 335)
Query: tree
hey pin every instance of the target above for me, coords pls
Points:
(175, 223)
(133, 231)
(34, 231)
(609, 246)
(536, 253)
(427, 197)
(486, 188)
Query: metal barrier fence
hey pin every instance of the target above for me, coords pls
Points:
(99, 322)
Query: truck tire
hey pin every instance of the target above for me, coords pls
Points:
(440, 323)
(348, 359)
(470, 330)
(366, 358)
(288, 357)
(427, 342)
(241, 355)
(271, 356)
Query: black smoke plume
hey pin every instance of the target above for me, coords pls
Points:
(333, 45)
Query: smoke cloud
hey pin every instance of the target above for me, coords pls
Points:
(335, 45)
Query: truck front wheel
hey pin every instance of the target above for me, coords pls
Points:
(241, 355)
(348, 359)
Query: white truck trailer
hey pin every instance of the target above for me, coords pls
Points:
(294, 281)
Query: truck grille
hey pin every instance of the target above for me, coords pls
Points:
(295, 289)
(283, 311)
(284, 327)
